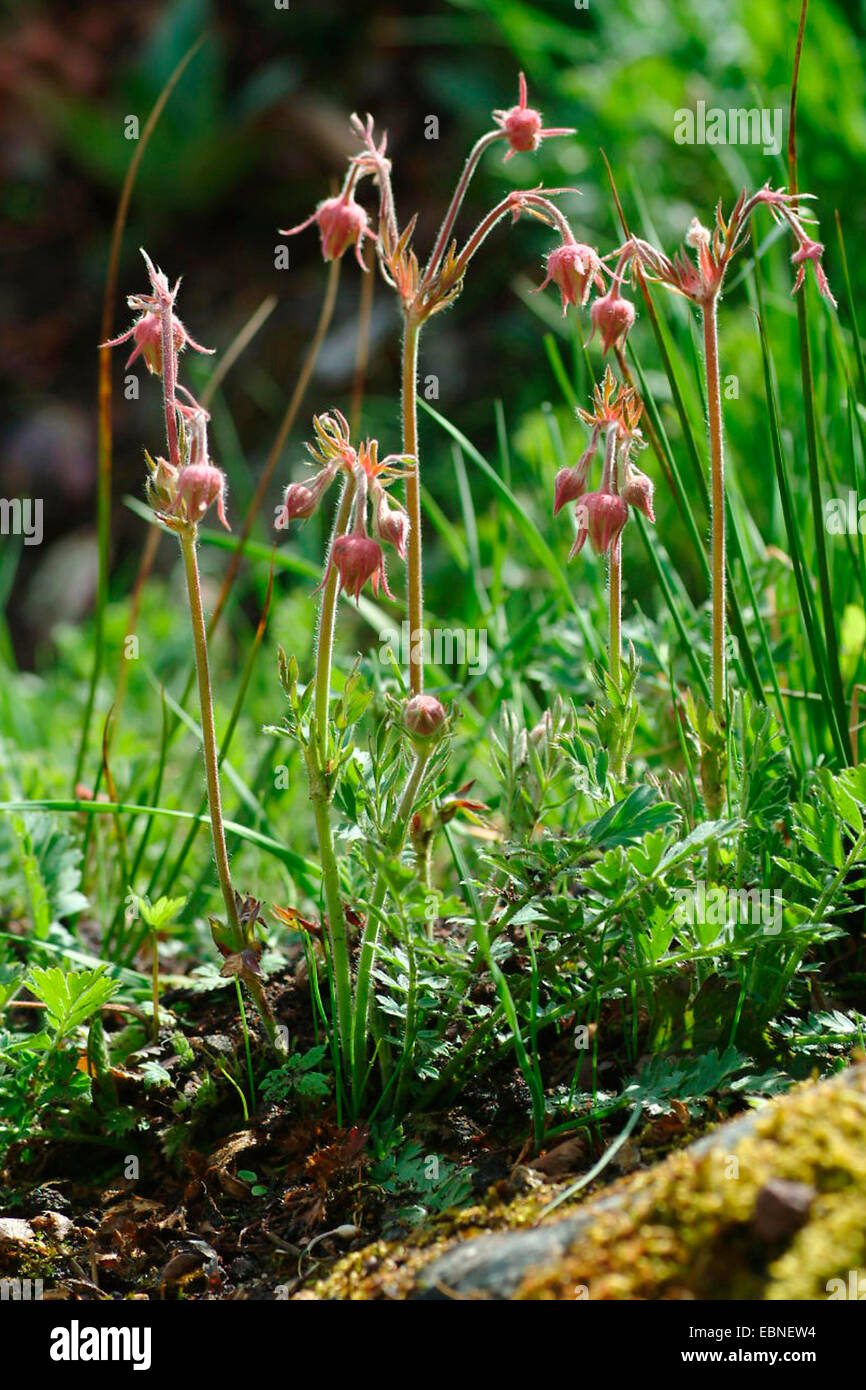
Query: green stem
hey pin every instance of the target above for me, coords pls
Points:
(317, 760)
(412, 329)
(370, 933)
(155, 989)
(713, 788)
(211, 761)
(209, 743)
(246, 1032)
(615, 599)
(336, 924)
(327, 622)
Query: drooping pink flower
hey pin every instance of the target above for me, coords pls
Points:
(574, 268)
(301, 500)
(356, 559)
(523, 125)
(392, 523)
(807, 251)
(601, 516)
(199, 485)
(638, 492)
(299, 503)
(613, 316)
(342, 223)
(569, 485)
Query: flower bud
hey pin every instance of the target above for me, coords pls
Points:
(164, 477)
(523, 125)
(356, 559)
(199, 485)
(809, 250)
(601, 516)
(301, 500)
(638, 492)
(613, 317)
(425, 718)
(392, 524)
(342, 223)
(569, 485)
(573, 268)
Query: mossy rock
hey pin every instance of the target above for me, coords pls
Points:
(769, 1206)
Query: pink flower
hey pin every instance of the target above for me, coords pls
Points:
(199, 485)
(811, 251)
(613, 317)
(301, 500)
(146, 332)
(392, 524)
(574, 268)
(342, 222)
(356, 559)
(638, 492)
(601, 516)
(523, 126)
(569, 485)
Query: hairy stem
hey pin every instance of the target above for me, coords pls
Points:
(193, 584)
(717, 490)
(456, 203)
(615, 602)
(320, 789)
(336, 924)
(411, 333)
(327, 621)
(303, 380)
(211, 762)
(104, 439)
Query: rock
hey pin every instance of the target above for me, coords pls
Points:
(55, 1226)
(781, 1208)
(14, 1235)
(496, 1265)
(15, 1232)
(770, 1206)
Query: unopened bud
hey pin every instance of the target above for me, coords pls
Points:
(425, 718)
(638, 492)
(613, 316)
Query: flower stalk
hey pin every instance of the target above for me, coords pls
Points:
(181, 489)
(717, 493)
(414, 561)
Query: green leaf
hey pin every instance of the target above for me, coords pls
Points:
(158, 915)
(72, 997)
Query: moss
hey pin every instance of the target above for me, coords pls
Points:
(687, 1229)
(387, 1269)
(684, 1228)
